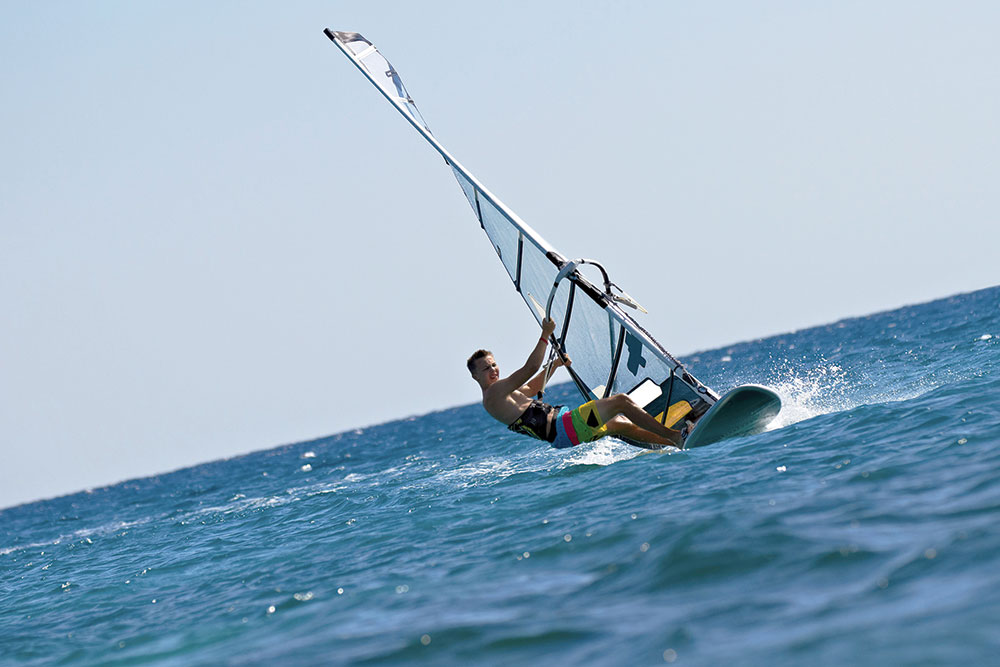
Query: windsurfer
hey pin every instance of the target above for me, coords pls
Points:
(508, 401)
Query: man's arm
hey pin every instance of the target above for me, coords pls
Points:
(534, 385)
(521, 376)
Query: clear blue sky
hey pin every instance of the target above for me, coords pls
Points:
(216, 237)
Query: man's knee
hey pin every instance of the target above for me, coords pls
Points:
(623, 401)
(617, 423)
(616, 404)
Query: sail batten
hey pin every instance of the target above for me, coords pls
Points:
(611, 351)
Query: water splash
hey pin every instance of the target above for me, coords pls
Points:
(811, 392)
(826, 387)
(604, 452)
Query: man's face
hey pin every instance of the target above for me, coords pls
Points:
(487, 368)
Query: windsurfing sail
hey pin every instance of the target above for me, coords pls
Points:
(611, 352)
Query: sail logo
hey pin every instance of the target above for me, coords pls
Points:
(635, 358)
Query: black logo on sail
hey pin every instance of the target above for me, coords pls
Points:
(635, 358)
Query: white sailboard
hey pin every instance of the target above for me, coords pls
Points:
(611, 351)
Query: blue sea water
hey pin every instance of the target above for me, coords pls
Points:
(863, 529)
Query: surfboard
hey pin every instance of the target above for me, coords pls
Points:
(745, 410)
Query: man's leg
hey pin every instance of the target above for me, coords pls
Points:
(621, 404)
(620, 425)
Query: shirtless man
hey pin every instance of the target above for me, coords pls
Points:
(508, 401)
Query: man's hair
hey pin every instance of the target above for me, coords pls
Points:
(478, 354)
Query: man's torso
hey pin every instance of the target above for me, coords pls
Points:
(506, 408)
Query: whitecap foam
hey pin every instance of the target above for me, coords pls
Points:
(82, 534)
(320, 488)
(603, 452)
(236, 507)
(471, 473)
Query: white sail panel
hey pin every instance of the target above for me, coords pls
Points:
(505, 237)
(379, 71)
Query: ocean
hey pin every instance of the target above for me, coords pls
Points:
(863, 529)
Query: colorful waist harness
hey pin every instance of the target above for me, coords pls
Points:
(534, 422)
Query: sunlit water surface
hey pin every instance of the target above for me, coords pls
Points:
(862, 529)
